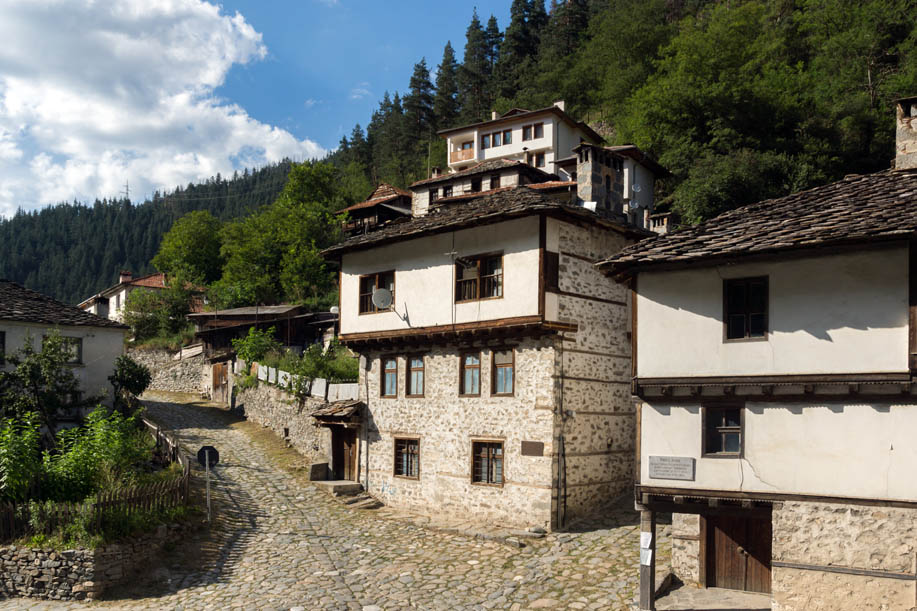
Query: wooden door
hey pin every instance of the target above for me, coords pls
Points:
(220, 382)
(739, 553)
(344, 453)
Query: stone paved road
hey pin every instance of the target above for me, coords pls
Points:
(281, 545)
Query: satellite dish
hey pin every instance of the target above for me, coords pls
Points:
(382, 299)
(335, 310)
(636, 188)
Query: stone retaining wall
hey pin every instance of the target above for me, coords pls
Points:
(186, 375)
(282, 413)
(78, 574)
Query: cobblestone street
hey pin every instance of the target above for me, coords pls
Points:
(279, 544)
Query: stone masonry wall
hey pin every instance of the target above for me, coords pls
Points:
(283, 413)
(849, 536)
(78, 574)
(597, 419)
(446, 424)
(187, 375)
(686, 548)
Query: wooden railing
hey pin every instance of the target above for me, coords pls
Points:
(14, 518)
(461, 155)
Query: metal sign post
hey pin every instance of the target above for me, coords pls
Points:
(208, 456)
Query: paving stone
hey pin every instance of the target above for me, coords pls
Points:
(279, 544)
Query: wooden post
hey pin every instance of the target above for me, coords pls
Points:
(647, 560)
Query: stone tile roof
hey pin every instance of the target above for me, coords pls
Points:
(20, 304)
(339, 409)
(520, 113)
(538, 186)
(857, 209)
(157, 281)
(485, 167)
(492, 208)
(381, 194)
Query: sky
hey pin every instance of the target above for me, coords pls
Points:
(96, 94)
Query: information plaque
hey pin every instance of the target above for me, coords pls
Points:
(672, 467)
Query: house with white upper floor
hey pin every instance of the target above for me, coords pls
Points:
(775, 354)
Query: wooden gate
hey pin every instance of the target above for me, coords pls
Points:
(221, 382)
(739, 553)
(344, 453)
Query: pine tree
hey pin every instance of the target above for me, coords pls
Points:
(474, 97)
(418, 104)
(493, 37)
(445, 102)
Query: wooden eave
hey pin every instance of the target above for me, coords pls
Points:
(522, 326)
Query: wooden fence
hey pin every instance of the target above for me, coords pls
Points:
(15, 519)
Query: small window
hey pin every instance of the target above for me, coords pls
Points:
(496, 139)
(475, 185)
(539, 160)
(415, 376)
(487, 462)
(526, 132)
(538, 130)
(407, 458)
(368, 284)
(495, 181)
(745, 308)
(723, 431)
(479, 277)
(434, 194)
(389, 387)
(485, 141)
(447, 191)
(470, 375)
(467, 145)
(502, 375)
(507, 136)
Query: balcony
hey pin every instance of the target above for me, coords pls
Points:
(461, 155)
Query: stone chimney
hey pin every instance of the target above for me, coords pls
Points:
(125, 276)
(559, 104)
(494, 115)
(906, 134)
(435, 172)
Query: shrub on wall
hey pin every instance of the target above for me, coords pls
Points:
(254, 346)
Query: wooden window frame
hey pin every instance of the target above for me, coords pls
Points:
(526, 133)
(489, 442)
(495, 181)
(476, 184)
(434, 194)
(383, 374)
(747, 313)
(539, 157)
(496, 139)
(479, 260)
(463, 368)
(447, 191)
(360, 294)
(469, 143)
(705, 416)
(406, 439)
(507, 136)
(408, 370)
(485, 142)
(493, 372)
(536, 127)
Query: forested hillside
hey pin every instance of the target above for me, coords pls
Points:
(71, 251)
(741, 100)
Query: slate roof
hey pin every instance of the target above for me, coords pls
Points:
(339, 409)
(518, 113)
(274, 310)
(381, 194)
(491, 165)
(20, 304)
(492, 208)
(855, 210)
(538, 186)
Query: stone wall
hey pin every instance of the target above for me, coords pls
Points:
(283, 413)
(79, 574)
(862, 538)
(188, 375)
(686, 533)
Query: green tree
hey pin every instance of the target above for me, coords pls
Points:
(256, 344)
(418, 104)
(445, 102)
(474, 96)
(192, 248)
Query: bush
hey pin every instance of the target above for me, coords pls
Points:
(20, 456)
(129, 380)
(254, 346)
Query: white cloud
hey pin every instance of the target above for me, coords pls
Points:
(307, 104)
(96, 93)
(360, 91)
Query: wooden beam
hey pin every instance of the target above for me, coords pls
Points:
(647, 560)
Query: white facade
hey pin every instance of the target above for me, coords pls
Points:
(100, 347)
(836, 314)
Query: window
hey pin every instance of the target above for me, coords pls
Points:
(368, 284)
(723, 431)
(470, 375)
(485, 141)
(389, 387)
(475, 185)
(447, 191)
(407, 458)
(496, 139)
(74, 346)
(507, 136)
(415, 376)
(745, 307)
(526, 132)
(467, 145)
(434, 193)
(487, 462)
(538, 129)
(502, 375)
(539, 160)
(479, 277)
(495, 181)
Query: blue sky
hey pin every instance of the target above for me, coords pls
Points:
(158, 93)
(322, 55)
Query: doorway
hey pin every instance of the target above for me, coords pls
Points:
(220, 392)
(739, 552)
(343, 453)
